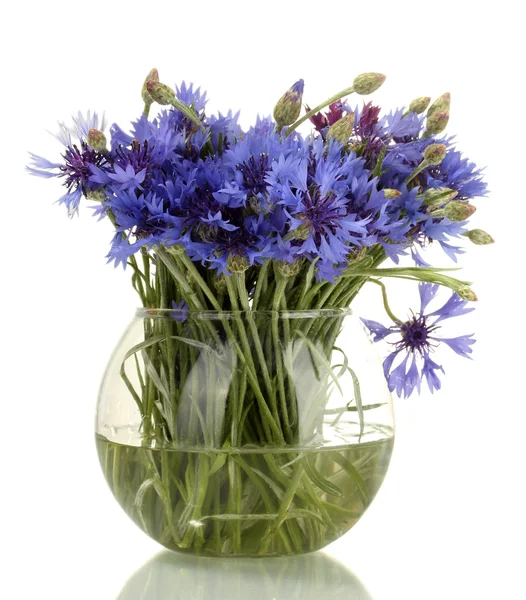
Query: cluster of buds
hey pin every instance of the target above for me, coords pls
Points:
(155, 91)
(288, 107)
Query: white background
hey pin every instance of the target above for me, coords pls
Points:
(449, 521)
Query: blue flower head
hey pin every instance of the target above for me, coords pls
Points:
(417, 341)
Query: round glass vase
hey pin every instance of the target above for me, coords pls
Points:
(244, 433)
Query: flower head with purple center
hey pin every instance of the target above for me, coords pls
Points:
(78, 160)
(417, 341)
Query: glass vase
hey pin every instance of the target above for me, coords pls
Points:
(244, 433)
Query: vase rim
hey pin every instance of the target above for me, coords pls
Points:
(180, 314)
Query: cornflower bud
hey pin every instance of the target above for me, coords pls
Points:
(97, 140)
(97, 195)
(288, 107)
(367, 83)
(220, 283)
(459, 211)
(341, 130)
(438, 196)
(419, 104)
(300, 233)
(466, 293)
(479, 237)
(390, 193)
(441, 103)
(356, 255)
(254, 205)
(436, 123)
(434, 154)
(289, 269)
(160, 92)
(153, 75)
(237, 263)
(176, 250)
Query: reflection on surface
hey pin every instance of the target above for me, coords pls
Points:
(170, 576)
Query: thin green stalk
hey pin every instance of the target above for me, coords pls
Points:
(260, 285)
(243, 298)
(316, 109)
(385, 300)
(290, 384)
(270, 422)
(280, 290)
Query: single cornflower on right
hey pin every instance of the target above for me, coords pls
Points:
(417, 340)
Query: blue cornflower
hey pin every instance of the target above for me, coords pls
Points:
(458, 173)
(322, 194)
(120, 178)
(161, 135)
(76, 171)
(78, 158)
(417, 342)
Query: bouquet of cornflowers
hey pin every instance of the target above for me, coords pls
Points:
(210, 217)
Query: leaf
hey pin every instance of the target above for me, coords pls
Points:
(317, 479)
(358, 399)
(377, 171)
(366, 407)
(198, 344)
(322, 359)
(357, 478)
(152, 372)
(218, 463)
(146, 344)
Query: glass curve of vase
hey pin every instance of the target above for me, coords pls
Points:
(244, 433)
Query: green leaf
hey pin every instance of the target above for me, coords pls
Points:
(322, 359)
(218, 463)
(198, 344)
(357, 478)
(377, 171)
(152, 372)
(358, 399)
(319, 480)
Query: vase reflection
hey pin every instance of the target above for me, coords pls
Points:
(170, 576)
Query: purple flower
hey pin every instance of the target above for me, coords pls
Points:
(179, 311)
(417, 340)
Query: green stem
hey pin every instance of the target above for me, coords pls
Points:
(260, 285)
(278, 352)
(385, 301)
(316, 109)
(423, 165)
(270, 421)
